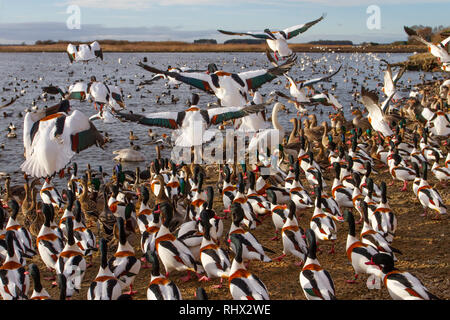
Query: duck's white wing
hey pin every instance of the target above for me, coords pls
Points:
(258, 35)
(297, 29)
(445, 41)
(256, 78)
(171, 120)
(315, 80)
(219, 115)
(200, 80)
(333, 101)
(84, 52)
(71, 52)
(56, 141)
(370, 101)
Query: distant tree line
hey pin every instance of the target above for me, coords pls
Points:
(332, 42)
(205, 41)
(244, 41)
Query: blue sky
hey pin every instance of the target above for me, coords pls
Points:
(186, 20)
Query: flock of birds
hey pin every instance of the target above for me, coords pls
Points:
(168, 213)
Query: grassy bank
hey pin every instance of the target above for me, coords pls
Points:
(190, 47)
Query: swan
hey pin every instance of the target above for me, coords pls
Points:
(128, 155)
(263, 139)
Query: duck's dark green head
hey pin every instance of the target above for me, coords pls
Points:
(237, 212)
(271, 196)
(129, 208)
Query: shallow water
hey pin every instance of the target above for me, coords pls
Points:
(32, 71)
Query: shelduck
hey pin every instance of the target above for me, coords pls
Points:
(293, 237)
(315, 281)
(244, 285)
(160, 287)
(401, 285)
(105, 286)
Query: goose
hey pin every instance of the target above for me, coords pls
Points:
(174, 254)
(160, 287)
(244, 285)
(377, 118)
(39, 292)
(277, 40)
(105, 286)
(358, 253)
(315, 281)
(52, 137)
(191, 125)
(293, 237)
(71, 265)
(215, 260)
(14, 281)
(439, 50)
(84, 52)
(232, 89)
(401, 285)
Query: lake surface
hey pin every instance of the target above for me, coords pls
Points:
(32, 71)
